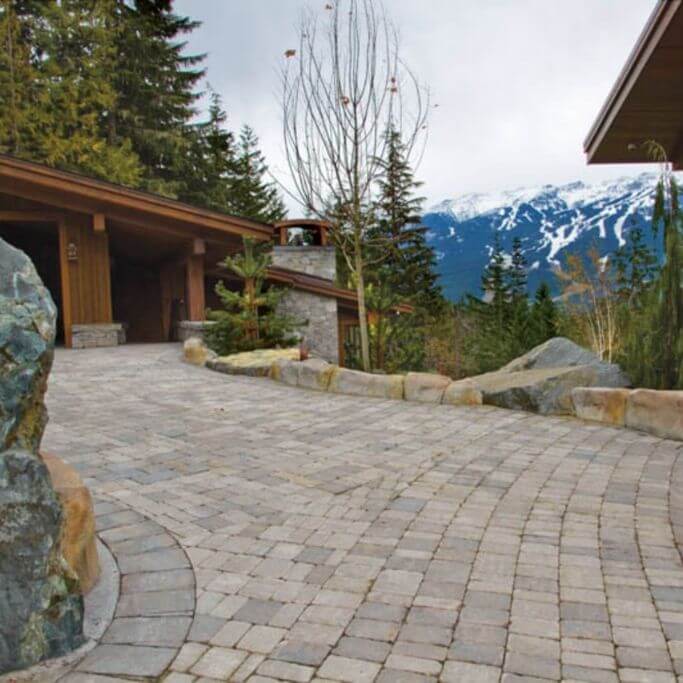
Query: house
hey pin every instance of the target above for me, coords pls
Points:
(124, 265)
(646, 103)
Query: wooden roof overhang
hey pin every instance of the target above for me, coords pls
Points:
(646, 103)
(67, 191)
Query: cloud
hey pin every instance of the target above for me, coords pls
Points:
(518, 82)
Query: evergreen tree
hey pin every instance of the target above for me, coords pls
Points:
(518, 312)
(635, 265)
(211, 162)
(544, 316)
(156, 90)
(408, 262)
(252, 196)
(654, 346)
(249, 320)
(495, 283)
(18, 78)
(56, 117)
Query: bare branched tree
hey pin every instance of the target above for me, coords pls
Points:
(342, 91)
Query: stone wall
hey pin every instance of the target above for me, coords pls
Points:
(41, 608)
(321, 334)
(318, 261)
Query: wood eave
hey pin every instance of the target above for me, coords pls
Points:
(649, 43)
(80, 193)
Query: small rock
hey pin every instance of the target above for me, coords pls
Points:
(462, 393)
(78, 530)
(425, 387)
(356, 383)
(600, 404)
(196, 352)
(657, 412)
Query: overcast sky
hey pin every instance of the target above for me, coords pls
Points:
(518, 82)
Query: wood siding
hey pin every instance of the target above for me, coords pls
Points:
(86, 279)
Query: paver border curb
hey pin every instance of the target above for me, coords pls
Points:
(156, 598)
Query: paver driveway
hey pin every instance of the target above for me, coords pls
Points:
(337, 538)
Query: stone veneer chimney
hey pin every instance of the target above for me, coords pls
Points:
(318, 259)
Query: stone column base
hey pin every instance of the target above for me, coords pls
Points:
(192, 328)
(90, 336)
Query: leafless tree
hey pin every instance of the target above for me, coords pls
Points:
(342, 90)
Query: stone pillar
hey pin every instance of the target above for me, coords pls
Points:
(312, 260)
(321, 335)
(41, 608)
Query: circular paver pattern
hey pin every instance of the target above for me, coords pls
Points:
(342, 539)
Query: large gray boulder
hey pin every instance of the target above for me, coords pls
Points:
(41, 609)
(542, 380)
(560, 352)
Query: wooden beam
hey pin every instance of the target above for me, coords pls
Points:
(194, 287)
(99, 223)
(198, 247)
(31, 216)
(67, 315)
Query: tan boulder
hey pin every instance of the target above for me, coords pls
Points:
(657, 412)
(315, 373)
(196, 352)
(425, 387)
(78, 525)
(255, 363)
(285, 371)
(462, 393)
(356, 383)
(600, 404)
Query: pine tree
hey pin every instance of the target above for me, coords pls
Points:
(635, 265)
(252, 196)
(518, 310)
(408, 263)
(156, 90)
(59, 88)
(250, 319)
(544, 316)
(18, 78)
(211, 162)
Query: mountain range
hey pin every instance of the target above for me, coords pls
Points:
(551, 221)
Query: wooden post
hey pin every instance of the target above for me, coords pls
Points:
(194, 287)
(67, 316)
(98, 222)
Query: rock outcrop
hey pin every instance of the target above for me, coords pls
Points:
(542, 380)
(601, 405)
(41, 608)
(425, 387)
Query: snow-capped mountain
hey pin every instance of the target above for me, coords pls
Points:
(550, 220)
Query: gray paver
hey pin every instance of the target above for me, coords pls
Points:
(368, 539)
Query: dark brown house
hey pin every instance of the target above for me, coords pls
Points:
(128, 265)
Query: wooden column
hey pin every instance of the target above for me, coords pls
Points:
(194, 287)
(67, 315)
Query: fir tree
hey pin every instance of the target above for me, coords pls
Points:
(252, 196)
(635, 265)
(408, 262)
(518, 310)
(211, 162)
(543, 317)
(57, 116)
(156, 90)
(249, 320)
